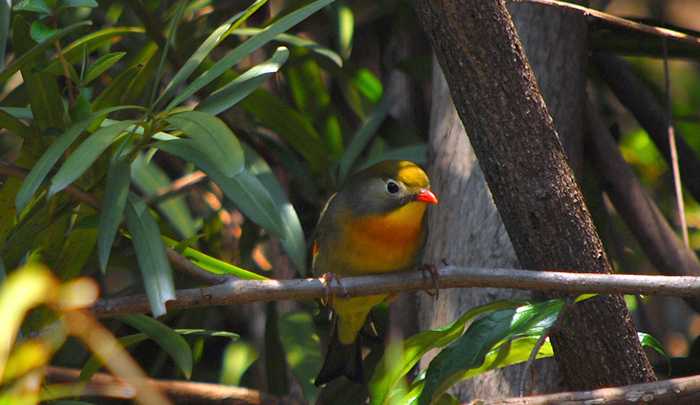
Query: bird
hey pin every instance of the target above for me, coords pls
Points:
(374, 224)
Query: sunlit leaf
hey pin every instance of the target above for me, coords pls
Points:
(237, 54)
(150, 252)
(101, 65)
(86, 154)
(113, 205)
(238, 357)
(243, 189)
(296, 41)
(239, 88)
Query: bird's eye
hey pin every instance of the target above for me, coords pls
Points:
(392, 187)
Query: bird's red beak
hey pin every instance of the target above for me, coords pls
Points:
(426, 196)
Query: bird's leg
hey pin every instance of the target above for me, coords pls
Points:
(432, 270)
(327, 279)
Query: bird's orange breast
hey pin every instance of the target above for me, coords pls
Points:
(382, 243)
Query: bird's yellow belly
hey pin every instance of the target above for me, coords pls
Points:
(383, 243)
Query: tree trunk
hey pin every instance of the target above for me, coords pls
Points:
(526, 168)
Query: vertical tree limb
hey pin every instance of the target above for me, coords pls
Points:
(526, 168)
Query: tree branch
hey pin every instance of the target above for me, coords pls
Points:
(645, 107)
(180, 392)
(661, 245)
(243, 291)
(685, 390)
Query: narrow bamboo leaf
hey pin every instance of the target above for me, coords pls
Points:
(41, 88)
(388, 373)
(101, 65)
(172, 343)
(471, 348)
(88, 43)
(292, 240)
(362, 137)
(19, 112)
(42, 167)
(238, 53)
(239, 88)
(85, 155)
(243, 189)
(93, 364)
(296, 41)
(113, 204)
(150, 252)
(113, 93)
(149, 178)
(8, 191)
(13, 125)
(212, 264)
(26, 59)
(294, 127)
(78, 3)
(212, 41)
(77, 248)
(33, 6)
(650, 341)
(213, 139)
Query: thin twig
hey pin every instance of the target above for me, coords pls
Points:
(618, 21)
(178, 186)
(674, 151)
(677, 391)
(178, 261)
(242, 291)
(106, 386)
(656, 237)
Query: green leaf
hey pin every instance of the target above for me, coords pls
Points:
(86, 154)
(18, 112)
(345, 28)
(150, 252)
(150, 178)
(77, 3)
(114, 92)
(213, 139)
(88, 43)
(241, 51)
(362, 138)
(101, 65)
(239, 88)
(387, 374)
(42, 167)
(40, 31)
(295, 128)
(13, 125)
(302, 348)
(77, 248)
(243, 189)
(212, 264)
(650, 341)
(172, 343)
(470, 349)
(293, 237)
(212, 41)
(27, 58)
(113, 204)
(237, 358)
(33, 6)
(296, 41)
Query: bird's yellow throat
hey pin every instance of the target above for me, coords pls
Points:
(384, 242)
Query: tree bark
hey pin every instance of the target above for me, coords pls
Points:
(533, 186)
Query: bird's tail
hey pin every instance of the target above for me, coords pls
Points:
(341, 359)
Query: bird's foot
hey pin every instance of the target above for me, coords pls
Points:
(327, 279)
(432, 271)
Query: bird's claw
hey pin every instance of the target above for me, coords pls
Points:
(327, 279)
(432, 270)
